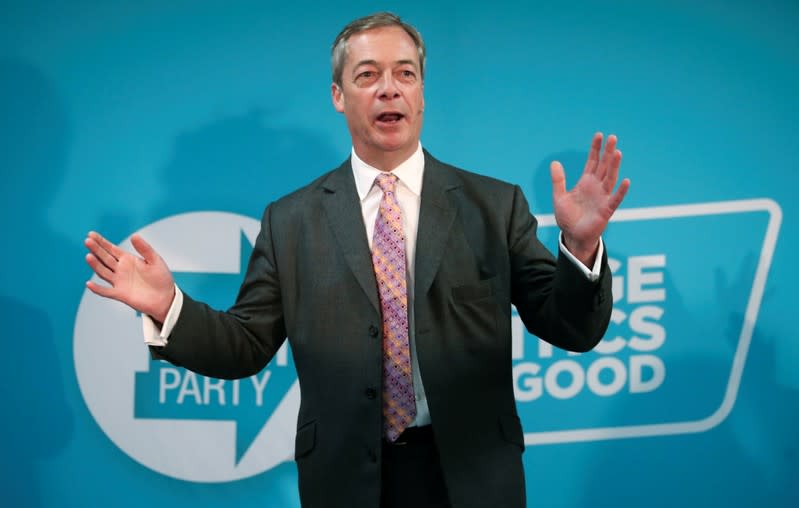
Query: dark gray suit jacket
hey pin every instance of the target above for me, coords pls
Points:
(310, 278)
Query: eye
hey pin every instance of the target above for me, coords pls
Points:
(407, 76)
(365, 78)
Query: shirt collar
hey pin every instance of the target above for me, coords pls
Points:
(409, 173)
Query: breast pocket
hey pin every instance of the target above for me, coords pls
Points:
(474, 308)
(467, 292)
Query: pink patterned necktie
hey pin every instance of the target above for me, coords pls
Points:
(388, 257)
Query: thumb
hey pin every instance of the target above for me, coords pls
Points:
(558, 176)
(144, 248)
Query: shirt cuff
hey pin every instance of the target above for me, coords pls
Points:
(155, 336)
(592, 274)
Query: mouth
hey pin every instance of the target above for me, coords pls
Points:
(390, 117)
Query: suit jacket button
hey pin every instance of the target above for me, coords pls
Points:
(371, 393)
(373, 331)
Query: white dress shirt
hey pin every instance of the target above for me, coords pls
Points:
(408, 193)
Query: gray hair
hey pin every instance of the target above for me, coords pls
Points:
(339, 51)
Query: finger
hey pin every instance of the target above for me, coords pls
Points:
(613, 174)
(558, 176)
(618, 196)
(144, 248)
(99, 268)
(105, 244)
(100, 253)
(607, 157)
(107, 292)
(593, 153)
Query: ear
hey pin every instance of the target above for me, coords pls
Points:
(338, 97)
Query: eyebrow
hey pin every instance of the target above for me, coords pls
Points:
(374, 62)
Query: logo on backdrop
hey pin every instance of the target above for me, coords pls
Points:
(687, 286)
(670, 363)
(173, 421)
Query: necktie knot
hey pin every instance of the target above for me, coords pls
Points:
(387, 182)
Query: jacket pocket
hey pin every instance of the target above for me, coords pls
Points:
(468, 292)
(305, 440)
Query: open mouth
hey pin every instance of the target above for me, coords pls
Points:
(390, 117)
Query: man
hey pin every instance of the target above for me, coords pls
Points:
(393, 278)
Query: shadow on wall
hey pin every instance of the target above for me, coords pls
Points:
(744, 461)
(39, 268)
(239, 164)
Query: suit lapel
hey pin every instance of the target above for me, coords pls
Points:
(436, 216)
(343, 210)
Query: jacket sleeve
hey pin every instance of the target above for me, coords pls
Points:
(241, 341)
(555, 300)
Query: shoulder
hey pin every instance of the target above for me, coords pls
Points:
(308, 197)
(471, 183)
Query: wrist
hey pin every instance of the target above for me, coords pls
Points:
(162, 309)
(585, 251)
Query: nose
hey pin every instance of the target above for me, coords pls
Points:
(388, 87)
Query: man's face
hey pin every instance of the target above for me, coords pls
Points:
(381, 95)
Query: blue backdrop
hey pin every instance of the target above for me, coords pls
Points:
(183, 119)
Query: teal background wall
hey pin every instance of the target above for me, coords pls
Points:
(117, 115)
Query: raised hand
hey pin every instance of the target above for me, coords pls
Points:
(583, 212)
(144, 283)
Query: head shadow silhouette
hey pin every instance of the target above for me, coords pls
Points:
(238, 164)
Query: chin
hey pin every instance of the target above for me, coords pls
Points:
(394, 144)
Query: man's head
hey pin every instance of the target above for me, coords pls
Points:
(378, 20)
(378, 71)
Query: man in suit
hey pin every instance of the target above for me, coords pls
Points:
(393, 278)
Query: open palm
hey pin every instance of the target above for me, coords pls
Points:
(583, 212)
(144, 283)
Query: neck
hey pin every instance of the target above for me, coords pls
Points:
(383, 160)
